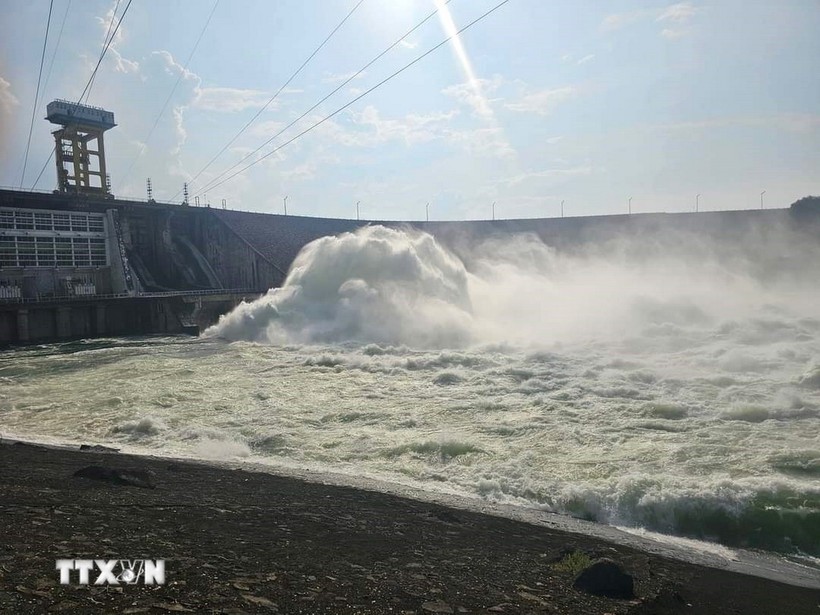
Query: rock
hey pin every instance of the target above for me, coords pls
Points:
(260, 601)
(65, 605)
(604, 577)
(175, 607)
(437, 607)
(134, 478)
(98, 448)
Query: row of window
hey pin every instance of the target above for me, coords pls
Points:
(52, 252)
(48, 221)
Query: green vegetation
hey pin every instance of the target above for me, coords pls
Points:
(573, 563)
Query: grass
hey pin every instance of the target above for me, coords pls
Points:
(573, 563)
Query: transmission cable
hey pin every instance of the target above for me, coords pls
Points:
(37, 93)
(348, 80)
(87, 85)
(168, 99)
(57, 46)
(360, 96)
(275, 96)
(106, 41)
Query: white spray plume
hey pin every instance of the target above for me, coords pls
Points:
(402, 286)
(375, 285)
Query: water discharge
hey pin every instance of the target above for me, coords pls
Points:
(661, 388)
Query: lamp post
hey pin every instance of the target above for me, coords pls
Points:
(761, 199)
(562, 208)
(630, 205)
(427, 211)
(285, 201)
(697, 203)
(493, 210)
(357, 209)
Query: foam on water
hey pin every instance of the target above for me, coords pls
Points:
(650, 393)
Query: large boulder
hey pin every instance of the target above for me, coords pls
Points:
(604, 577)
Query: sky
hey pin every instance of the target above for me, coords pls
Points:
(586, 102)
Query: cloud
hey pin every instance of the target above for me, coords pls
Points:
(678, 14)
(121, 64)
(179, 127)
(220, 99)
(331, 78)
(172, 67)
(790, 122)
(266, 129)
(673, 34)
(408, 44)
(586, 59)
(619, 20)
(553, 175)
(368, 128)
(482, 142)
(306, 170)
(230, 100)
(7, 100)
(473, 94)
(543, 102)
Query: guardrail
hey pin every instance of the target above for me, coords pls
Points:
(151, 295)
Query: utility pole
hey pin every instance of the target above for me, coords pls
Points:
(630, 205)
(697, 203)
(761, 199)
(562, 208)
(493, 210)
(357, 209)
(285, 201)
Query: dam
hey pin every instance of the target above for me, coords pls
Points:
(89, 265)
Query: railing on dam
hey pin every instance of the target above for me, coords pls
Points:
(151, 295)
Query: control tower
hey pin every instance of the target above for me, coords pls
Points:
(78, 142)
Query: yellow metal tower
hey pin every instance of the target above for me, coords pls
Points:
(80, 151)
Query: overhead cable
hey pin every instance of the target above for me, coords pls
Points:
(360, 96)
(87, 85)
(171, 93)
(343, 84)
(275, 96)
(37, 93)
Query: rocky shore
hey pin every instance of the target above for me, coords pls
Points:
(249, 542)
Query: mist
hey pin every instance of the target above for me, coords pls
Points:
(402, 286)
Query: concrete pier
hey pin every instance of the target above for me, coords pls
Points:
(22, 325)
(63, 322)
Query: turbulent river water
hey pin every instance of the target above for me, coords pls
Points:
(671, 394)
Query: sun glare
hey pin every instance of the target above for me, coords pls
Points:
(480, 103)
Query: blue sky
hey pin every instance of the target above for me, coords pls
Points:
(587, 102)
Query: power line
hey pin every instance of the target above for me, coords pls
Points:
(167, 100)
(106, 41)
(348, 80)
(37, 93)
(274, 97)
(57, 46)
(87, 85)
(45, 164)
(102, 55)
(360, 96)
(48, 76)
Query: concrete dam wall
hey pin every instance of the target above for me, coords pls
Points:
(79, 266)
